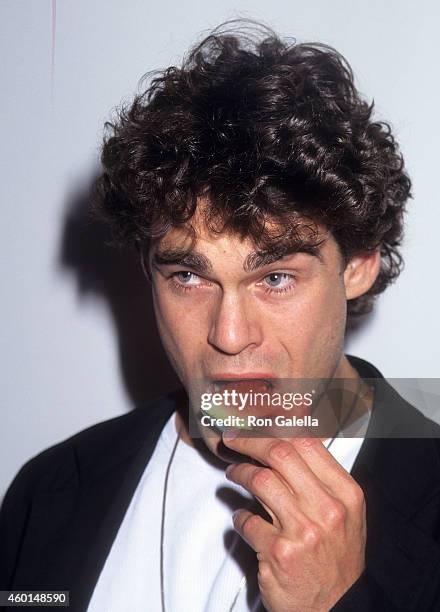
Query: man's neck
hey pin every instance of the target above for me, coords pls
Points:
(345, 369)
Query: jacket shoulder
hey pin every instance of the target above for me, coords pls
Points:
(76, 462)
(96, 448)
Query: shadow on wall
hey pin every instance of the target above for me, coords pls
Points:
(116, 276)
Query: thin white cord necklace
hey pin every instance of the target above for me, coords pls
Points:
(162, 534)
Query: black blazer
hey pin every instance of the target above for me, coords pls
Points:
(62, 512)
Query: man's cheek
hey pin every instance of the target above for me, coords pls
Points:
(184, 336)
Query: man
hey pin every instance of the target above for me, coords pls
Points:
(266, 205)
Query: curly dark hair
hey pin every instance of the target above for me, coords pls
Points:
(262, 128)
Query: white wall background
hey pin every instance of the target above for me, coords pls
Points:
(75, 349)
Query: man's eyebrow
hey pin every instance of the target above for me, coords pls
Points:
(255, 260)
(259, 259)
(190, 259)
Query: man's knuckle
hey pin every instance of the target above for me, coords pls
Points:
(260, 479)
(357, 498)
(282, 551)
(250, 525)
(264, 575)
(311, 536)
(335, 513)
(305, 444)
(280, 450)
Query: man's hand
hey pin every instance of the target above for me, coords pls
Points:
(314, 550)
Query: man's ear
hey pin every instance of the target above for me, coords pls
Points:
(361, 272)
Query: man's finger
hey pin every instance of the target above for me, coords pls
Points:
(254, 530)
(305, 464)
(271, 491)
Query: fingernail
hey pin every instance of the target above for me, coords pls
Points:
(235, 515)
(231, 434)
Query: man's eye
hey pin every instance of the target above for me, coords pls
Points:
(278, 280)
(186, 278)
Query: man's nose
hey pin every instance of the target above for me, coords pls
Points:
(233, 328)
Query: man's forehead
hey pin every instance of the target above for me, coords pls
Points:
(192, 248)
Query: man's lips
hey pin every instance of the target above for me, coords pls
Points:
(241, 382)
(242, 385)
(224, 376)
